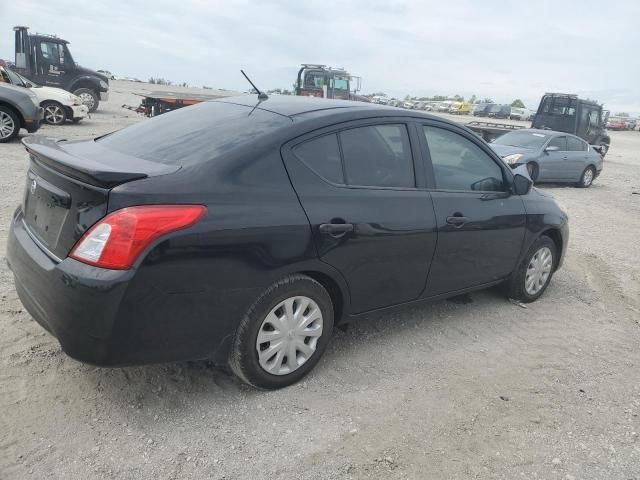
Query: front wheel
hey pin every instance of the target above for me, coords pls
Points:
(9, 124)
(586, 179)
(89, 98)
(54, 113)
(284, 333)
(534, 273)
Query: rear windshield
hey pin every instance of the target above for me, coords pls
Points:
(522, 139)
(195, 134)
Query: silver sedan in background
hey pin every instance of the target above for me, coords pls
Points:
(550, 156)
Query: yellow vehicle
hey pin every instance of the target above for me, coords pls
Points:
(460, 108)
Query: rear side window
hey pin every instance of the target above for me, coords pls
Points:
(322, 155)
(576, 145)
(378, 156)
(560, 142)
(459, 164)
(195, 134)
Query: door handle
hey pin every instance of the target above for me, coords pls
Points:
(336, 230)
(457, 220)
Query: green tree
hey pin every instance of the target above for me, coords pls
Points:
(458, 98)
(473, 99)
(488, 100)
(622, 114)
(517, 103)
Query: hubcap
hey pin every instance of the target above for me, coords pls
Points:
(7, 126)
(289, 335)
(53, 114)
(588, 177)
(87, 99)
(538, 271)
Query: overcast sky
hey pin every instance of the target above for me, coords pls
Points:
(491, 48)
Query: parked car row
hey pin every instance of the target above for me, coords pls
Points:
(58, 106)
(448, 106)
(622, 123)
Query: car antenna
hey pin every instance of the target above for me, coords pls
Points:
(261, 95)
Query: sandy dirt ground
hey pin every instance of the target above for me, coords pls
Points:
(452, 390)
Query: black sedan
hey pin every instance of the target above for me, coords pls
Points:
(243, 231)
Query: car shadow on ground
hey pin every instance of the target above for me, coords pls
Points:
(163, 385)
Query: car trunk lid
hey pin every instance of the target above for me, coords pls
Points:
(68, 185)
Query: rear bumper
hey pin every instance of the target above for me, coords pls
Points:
(117, 317)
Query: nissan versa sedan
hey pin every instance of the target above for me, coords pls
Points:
(550, 156)
(243, 231)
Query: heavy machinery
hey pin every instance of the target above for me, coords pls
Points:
(46, 60)
(560, 112)
(328, 82)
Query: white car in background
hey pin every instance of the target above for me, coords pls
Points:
(59, 105)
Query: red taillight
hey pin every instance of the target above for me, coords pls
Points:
(119, 238)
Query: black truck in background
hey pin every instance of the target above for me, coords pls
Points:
(560, 112)
(46, 60)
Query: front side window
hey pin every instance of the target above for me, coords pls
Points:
(459, 164)
(340, 83)
(378, 156)
(322, 155)
(560, 142)
(576, 145)
(52, 53)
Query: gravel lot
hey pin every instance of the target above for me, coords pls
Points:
(481, 388)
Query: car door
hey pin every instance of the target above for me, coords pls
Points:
(577, 158)
(369, 218)
(553, 163)
(481, 225)
(51, 69)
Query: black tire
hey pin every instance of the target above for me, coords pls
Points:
(91, 103)
(54, 113)
(9, 124)
(515, 286)
(587, 177)
(243, 358)
(533, 170)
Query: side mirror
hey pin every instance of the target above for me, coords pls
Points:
(522, 182)
(552, 148)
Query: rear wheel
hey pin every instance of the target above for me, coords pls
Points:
(586, 179)
(9, 124)
(89, 97)
(54, 113)
(533, 170)
(533, 275)
(284, 333)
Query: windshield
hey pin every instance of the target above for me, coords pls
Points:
(531, 140)
(26, 81)
(14, 77)
(314, 80)
(341, 83)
